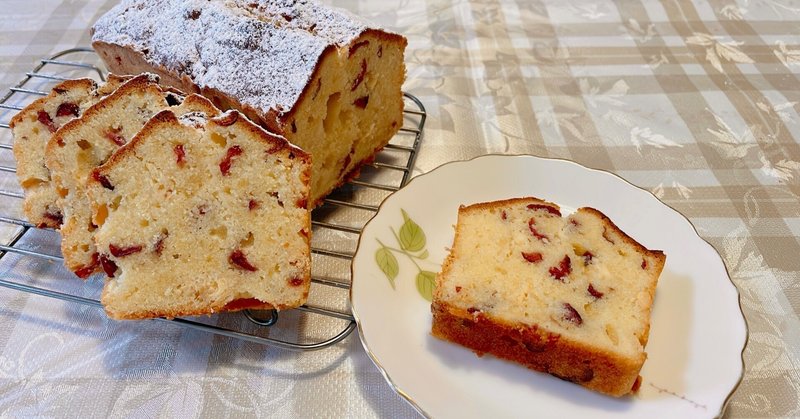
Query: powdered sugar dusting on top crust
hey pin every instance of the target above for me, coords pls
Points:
(274, 43)
(195, 120)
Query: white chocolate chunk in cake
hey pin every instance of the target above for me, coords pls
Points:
(86, 142)
(200, 215)
(318, 75)
(33, 127)
(566, 295)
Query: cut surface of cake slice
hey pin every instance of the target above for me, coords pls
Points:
(86, 142)
(320, 76)
(570, 296)
(33, 127)
(199, 215)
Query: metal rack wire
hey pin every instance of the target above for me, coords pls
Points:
(335, 225)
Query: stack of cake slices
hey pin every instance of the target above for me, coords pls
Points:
(186, 209)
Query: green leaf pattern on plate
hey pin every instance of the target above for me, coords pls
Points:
(388, 264)
(412, 241)
(425, 283)
(412, 238)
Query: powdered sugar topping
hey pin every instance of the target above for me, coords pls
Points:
(262, 52)
(195, 120)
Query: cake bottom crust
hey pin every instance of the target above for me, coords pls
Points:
(538, 350)
(187, 310)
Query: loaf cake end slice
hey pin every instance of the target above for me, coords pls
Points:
(33, 127)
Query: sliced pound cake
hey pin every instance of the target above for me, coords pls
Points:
(86, 142)
(567, 296)
(320, 76)
(33, 127)
(199, 215)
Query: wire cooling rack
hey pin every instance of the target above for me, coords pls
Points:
(326, 318)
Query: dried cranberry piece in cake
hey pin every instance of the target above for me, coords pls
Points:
(68, 109)
(534, 231)
(180, 155)
(361, 102)
(44, 119)
(239, 259)
(593, 292)
(115, 137)
(571, 315)
(563, 269)
(354, 48)
(120, 251)
(548, 208)
(360, 77)
(532, 257)
(109, 266)
(84, 271)
(103, 180)
(227, 161)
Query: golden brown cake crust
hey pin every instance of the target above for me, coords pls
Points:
(131, 61)
(231, 117)
(535, 349)
(247, 304)
(658, 254)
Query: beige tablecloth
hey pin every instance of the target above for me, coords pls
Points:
(695, 101)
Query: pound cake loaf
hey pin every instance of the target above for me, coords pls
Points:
(33, 127)
(86, 142)
(319, 76)
(198, 215)
(570, 296)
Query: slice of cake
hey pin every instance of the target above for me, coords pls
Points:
(199, 215)
(319, 76)
(567, 296)
(33, 127)
(86, 142)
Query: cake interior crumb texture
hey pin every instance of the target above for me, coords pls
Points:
(86, 142)
(33, 127)
(566, 295)
(201, 216)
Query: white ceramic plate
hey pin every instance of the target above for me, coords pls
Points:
(697, 331)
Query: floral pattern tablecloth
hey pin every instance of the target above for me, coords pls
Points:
(695, 101)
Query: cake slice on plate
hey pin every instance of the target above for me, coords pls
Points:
(198, 215)
(570, 296)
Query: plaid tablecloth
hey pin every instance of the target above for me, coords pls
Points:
(695, 101)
